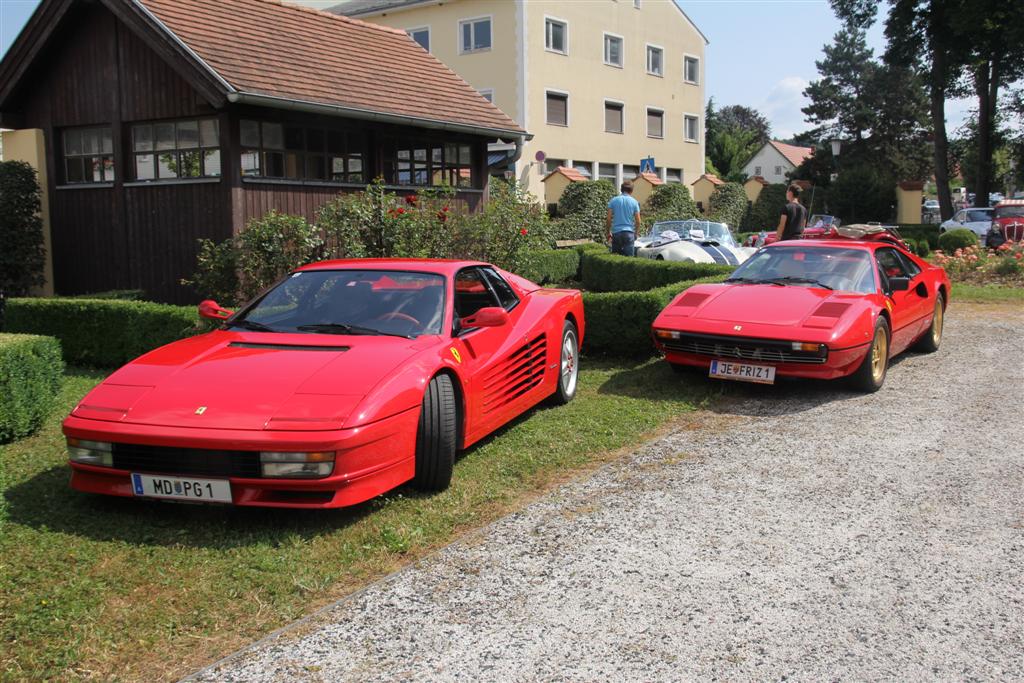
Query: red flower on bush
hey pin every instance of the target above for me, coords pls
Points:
(411, 199)
(442, 216)
(522, 232)
(399, 210)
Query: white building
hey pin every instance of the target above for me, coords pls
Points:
(776, 159)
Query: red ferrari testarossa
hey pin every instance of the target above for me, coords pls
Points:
(344, 380)
(823, 308)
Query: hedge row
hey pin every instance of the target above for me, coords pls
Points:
(30, 377)
(551, 266)
(102, 332)
(619, 323)
(604, 272)
(923, 231)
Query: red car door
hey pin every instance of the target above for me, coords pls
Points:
(908, 308)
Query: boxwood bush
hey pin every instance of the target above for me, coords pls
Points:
(30, 377)
(728, 204)
(923, 231)
(603, 272)
(961, 238)
(102, 332)
(619, 323)
(551, 266)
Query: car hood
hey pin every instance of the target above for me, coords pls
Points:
(229, 380)
(762, 305)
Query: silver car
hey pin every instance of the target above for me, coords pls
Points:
(977, 220)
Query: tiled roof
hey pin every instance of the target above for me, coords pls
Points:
(710, 177)
(271, 49)
(570, 173)
(757, 179)
(794, 155)
(652, 178)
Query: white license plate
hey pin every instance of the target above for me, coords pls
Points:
(181, 488)
(762, 374)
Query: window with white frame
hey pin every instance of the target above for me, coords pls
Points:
(551, 165)
(778, 170)
(475, 35)
(421, 36)
(673, 175)
(655, 60)
(557, 108)
(606, 172)
(556, 36)
(630, 172)
(691, 128)
(655, 123)
(613, 116)
(636, 4)
(487, 94)
(691, 69)
(613, 50)
(757, 170)
(583, 168)
(88, 155)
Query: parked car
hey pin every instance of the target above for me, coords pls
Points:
(930, 205)
(344, 380)
(817, 226)
(692, 240)
(1007, 223)
(842, 306)
(976, 220)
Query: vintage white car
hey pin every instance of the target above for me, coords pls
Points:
(692, 240)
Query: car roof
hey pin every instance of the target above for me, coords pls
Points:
(1010, 202)
(418, 265)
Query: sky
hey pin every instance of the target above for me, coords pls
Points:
(761, 52)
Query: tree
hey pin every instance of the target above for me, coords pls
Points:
(733, 134)
(21, 231)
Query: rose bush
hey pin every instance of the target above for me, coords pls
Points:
(977, 265)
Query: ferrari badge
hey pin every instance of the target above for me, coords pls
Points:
(200, 410)
(455, 354)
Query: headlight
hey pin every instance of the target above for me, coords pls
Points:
(666, 334)
(90, 452)
(296, 465)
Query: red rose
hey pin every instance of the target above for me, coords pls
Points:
(399, 210)
(523, 232)
(411, 199)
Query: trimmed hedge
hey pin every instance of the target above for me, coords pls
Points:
(102, 332)
(551, 266)
(920, 231)
(961, 238)
(31, 370)
(604, 272)
(619, 323)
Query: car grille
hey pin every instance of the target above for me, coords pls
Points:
(744, 348)
(189, 461)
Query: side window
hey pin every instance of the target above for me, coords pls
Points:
(472, 293)
(890, 264)
(506, 295)
(960, 216)
(909, 265)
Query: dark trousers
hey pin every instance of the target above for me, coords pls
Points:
(622, 243)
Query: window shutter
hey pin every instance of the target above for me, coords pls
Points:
(654, 121)
(613, 118)
(558, 109)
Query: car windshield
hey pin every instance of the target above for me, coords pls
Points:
(978, 215)
(820, 220)
(669, 231)
(803, 266)
(366, 302)
(1010, 212)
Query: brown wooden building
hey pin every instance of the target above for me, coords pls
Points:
(170, 120)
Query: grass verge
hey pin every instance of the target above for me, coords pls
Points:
(94, 587)
(986, 293)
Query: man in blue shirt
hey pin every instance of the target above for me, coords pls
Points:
(623, 220)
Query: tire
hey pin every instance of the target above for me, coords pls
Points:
(437, 436)
(929, 343)
(870, 376)
(568, 365)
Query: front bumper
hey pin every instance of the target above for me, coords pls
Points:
(370, 460)
(839, 363)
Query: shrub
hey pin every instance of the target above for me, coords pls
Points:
(861, 194)
(728, 204)
(21, 231)
(105, 332)
(30, 377)
(922, 248)
(671, 201)
(960, 238)
(619, 323)
(1008, 266)
(587, 198)
(551, 266)
(122, 294)
(927, 231)
(764, 215)
(604, 272)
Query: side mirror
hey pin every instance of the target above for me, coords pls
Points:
(212, 310)
(899, 284)
(491, 316)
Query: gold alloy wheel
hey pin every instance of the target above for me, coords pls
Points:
(937, 323)
(879, 355)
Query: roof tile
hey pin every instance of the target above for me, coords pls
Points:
(794, 155)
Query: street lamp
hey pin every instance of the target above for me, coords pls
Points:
(836, 144)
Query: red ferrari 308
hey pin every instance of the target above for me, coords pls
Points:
(344, 380)
(823, 308)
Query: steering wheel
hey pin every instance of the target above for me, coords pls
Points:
(395, 315)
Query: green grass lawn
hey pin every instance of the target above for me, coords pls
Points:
(986, 293)
(97, 587)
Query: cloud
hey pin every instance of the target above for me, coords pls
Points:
(782, 106)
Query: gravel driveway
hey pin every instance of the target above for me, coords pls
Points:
(797, 532)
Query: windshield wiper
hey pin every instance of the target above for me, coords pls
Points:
(754, 281)
(250, 325)
(343, 328)
(807, 280)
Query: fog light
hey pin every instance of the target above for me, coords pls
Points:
(277, 464)
(666, 334)
(811, 348)
(90, 452)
